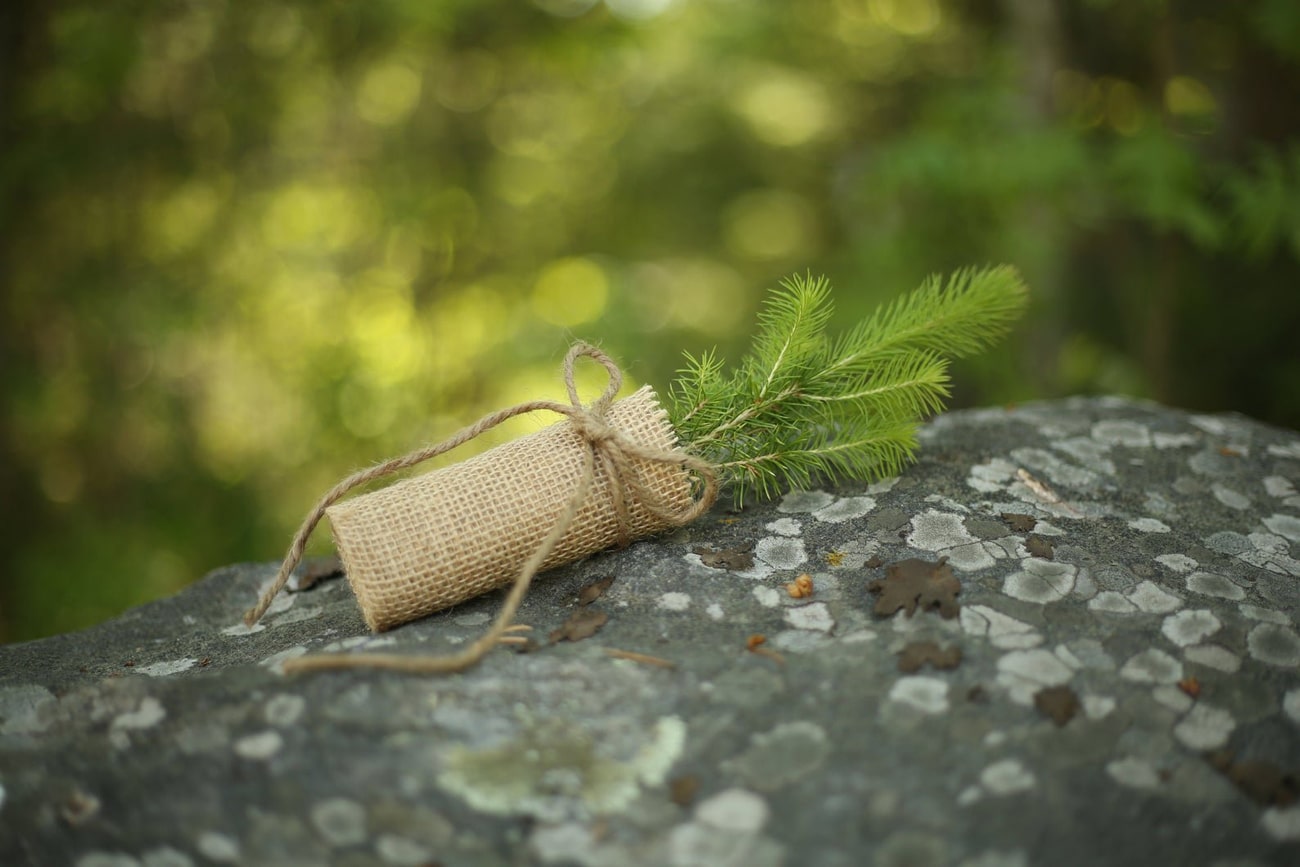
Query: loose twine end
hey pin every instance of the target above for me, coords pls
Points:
(616, 453)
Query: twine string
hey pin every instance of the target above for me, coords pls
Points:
(616, 454)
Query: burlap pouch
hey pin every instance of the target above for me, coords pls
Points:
(432, 541)
(609, 474)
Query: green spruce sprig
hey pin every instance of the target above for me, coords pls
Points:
(802, 405)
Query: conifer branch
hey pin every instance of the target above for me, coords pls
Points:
(801, 405)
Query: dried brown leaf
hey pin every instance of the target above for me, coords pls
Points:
(79, 807)
(1020, 523)
(918, 653)
(683, 789)
(731, 559)
(583, 623)
(912, 583)
(595, 590)
(1263, 782)
(1037, 546)
(1058, 702)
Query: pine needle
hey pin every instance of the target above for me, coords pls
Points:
(802, 406)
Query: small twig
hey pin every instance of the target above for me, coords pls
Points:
(517, 640)
(1043, 492)
(755, 646)
(640, 657)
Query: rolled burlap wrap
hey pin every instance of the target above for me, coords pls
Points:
(432, 541)
(609, 474)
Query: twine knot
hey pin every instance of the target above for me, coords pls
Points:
(616, 454)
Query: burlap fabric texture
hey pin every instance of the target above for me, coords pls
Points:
(432, 541)
(438, 539)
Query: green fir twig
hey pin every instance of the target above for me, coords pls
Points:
(802, 405)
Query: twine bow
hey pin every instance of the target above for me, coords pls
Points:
(616, 454)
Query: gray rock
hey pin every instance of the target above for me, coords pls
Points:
(168, 736)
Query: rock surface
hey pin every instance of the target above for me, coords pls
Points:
(1127, 689)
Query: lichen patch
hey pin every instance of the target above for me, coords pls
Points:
(1210, 584)
(736, 810)
(674, 601)
(165, 856)
(1088, 452)
(927, 694)
(1150, 598)
(1041, 581)
(992, 476)
(1230, 497)
(938, 531)
(1133, 772)
(555, 770)
(1190, 627)
(784, 527)
(284, 710)
(218, 847)
(1291, 705)
(1058, 472)
(1172, 441)
(785, 754)
(241, 629)
(146, 716)
(846, 509)
(1180, 563)
(1205, 727)
(1149, 525)
(1007, 777)
(1282, 823)
(107, 859)
(815, 617)
(260, 746)
(804, 501)
(163, 669)
(1122, 433)
(1111, 602)
(1152, 666)
(340, 821)
(1279, 487)
(1003, 631)
(1287, 526)
(1097, 707)
(21, 709)
(781, 552)
(1213, 656)
(1274, 645)
(1023, 673)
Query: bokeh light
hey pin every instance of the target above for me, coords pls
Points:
(249, 247)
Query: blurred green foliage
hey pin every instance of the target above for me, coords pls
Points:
(250, 246)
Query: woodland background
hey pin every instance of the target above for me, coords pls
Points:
(247, 247)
